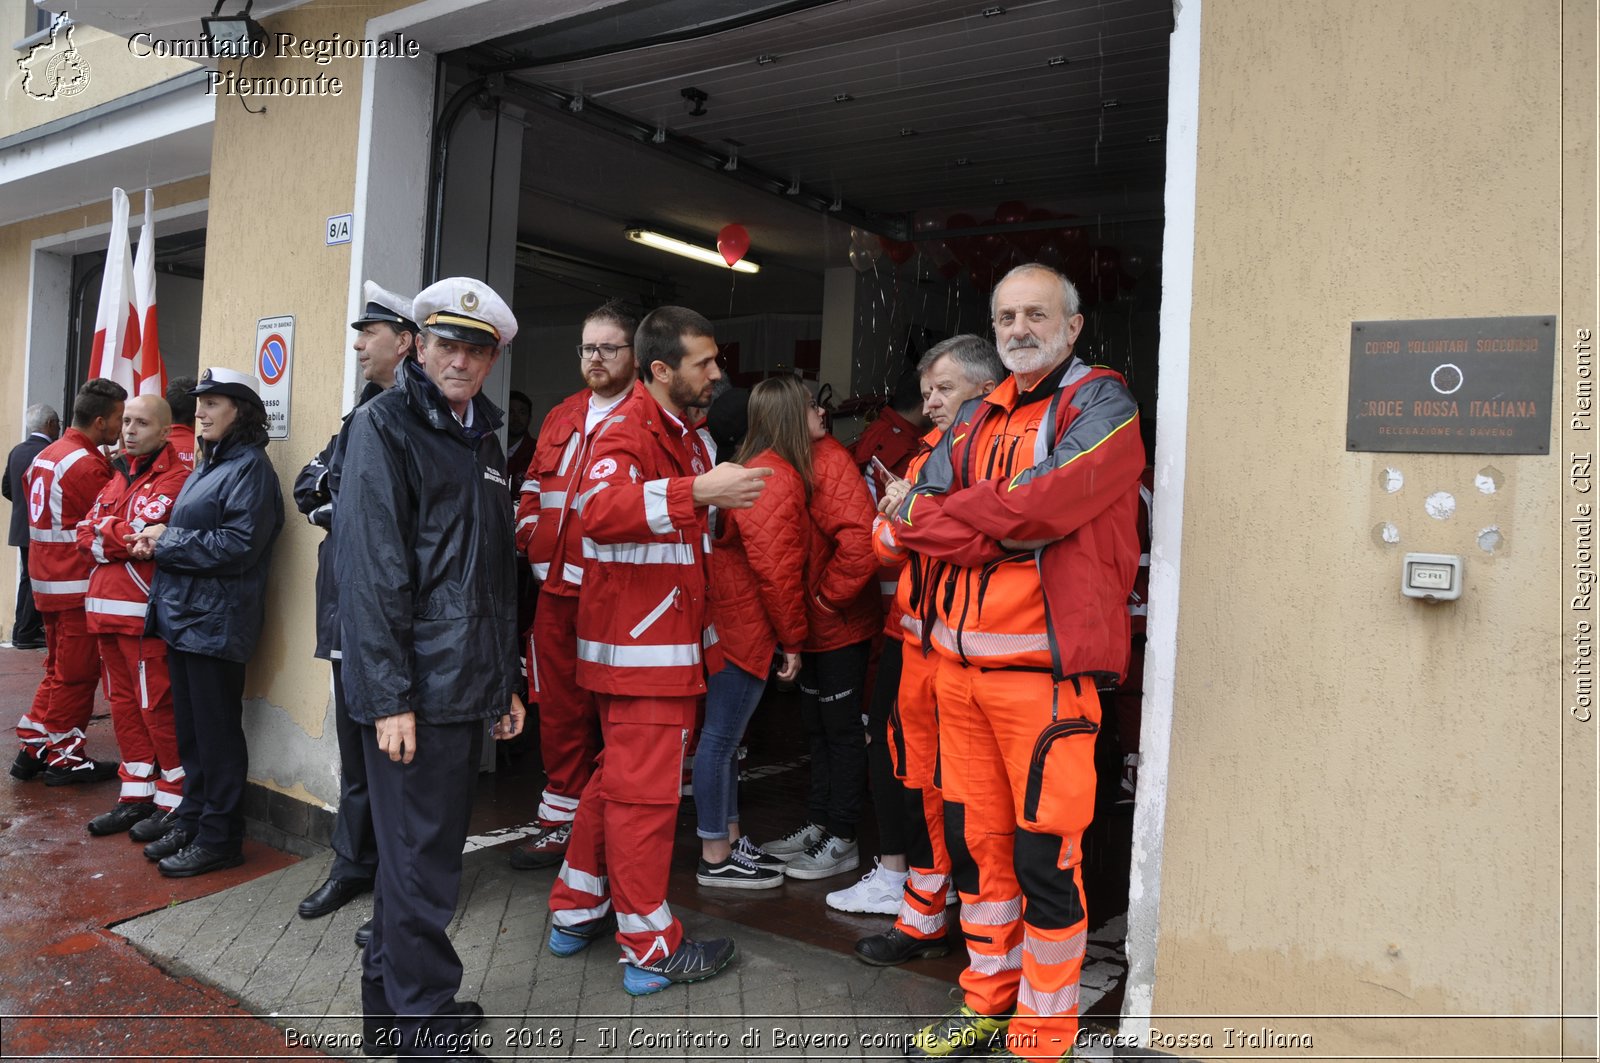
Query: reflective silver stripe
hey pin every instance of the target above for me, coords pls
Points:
(932, 925)
(144, 689)
(138, 789)
(571, 573)
(542, 570)
(1063, 1001)
(583, 882)
(1144, 559)
(172, 776)
(49, 535)
(138, 580)
(887, 588)
(641, 553)
(532, 518)
(74, 586)
(167, 800)
(925, 883)
(561, 801)
(1054, 952)
(552, 499)
(675, 655)
(579, 916)
(583, 499)
(553, 808)
(655, 507)
(61, 468)
(708, 637)
(654, 614)
(988, 643)
(112, 607)
(566, 455)
(1138, 610)
(139, 769)
(658, 921)
(529, 486)
(911, 625)
(984, 963)
(992, 913)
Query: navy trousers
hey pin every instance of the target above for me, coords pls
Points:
(355, 848)
(208, 709)
(410, 972)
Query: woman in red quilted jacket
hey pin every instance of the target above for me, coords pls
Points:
(758, 602)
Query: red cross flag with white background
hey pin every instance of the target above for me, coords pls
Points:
(126, 346)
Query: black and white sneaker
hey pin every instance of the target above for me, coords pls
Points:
(755, 854)
(737, 873)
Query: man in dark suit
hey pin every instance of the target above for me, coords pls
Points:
(43, 426)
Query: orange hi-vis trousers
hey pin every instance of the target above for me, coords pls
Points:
(913, 735)
(1016, 756)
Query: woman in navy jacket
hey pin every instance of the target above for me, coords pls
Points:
(206, 602)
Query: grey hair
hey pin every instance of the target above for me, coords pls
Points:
(977, 357)
(1069, 291)
(37, 416)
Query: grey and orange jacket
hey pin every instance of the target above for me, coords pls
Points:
(1061, 463)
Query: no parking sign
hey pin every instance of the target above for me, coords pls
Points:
(274, 367)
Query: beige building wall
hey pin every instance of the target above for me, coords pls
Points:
(276, 178)
(1366, 792)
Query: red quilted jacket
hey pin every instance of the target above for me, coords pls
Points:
(841, 569)
(758, 590)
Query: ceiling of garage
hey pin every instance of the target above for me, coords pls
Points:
(896, 112)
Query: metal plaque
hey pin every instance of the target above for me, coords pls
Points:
(1472, 385)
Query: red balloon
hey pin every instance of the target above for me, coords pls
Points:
(899, 251)
(733, 241)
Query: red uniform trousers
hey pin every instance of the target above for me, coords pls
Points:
(569, 717)
(1017, 764)
(52, 730)
(141, 713)
(621, 846)
(914, 751)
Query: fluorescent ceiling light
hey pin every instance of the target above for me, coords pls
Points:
(710, 256)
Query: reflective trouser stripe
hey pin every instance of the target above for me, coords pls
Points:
(583, 882)
(557, 808)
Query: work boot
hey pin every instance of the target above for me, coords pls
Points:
(82, 770)
(152, 827)
(26, 766)
(171, 842)
(894, 947)
(545, 849)
(121, 817)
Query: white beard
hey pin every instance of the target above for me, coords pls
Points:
(1026, 360)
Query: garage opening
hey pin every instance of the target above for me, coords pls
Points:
(889, 160)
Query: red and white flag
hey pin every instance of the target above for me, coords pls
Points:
(126, 345)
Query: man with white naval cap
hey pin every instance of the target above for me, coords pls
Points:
(428, 617)
(385, 336)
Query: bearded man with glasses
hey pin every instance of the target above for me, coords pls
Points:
(550, 534)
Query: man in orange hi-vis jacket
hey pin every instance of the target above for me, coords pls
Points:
(1031, 500)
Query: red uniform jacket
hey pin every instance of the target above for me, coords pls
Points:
(119, 587)
(1059, 463)
(841, 570)
(758, 589)
(181, 440)
(644, 628)
(549, 529)
(905, 611)
(62, 484)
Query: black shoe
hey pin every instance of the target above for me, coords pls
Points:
(122, 817)
(459, 1017)
(197, 860)
(156, 826)
(30, 644)
(84, 771)
(331, 896)
(545, 849)
(894, 946)
(175, 840)
(26, 766)
(363, 934)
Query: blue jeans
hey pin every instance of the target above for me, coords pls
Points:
(731, 699)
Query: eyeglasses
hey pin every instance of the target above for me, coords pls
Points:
(605, 352)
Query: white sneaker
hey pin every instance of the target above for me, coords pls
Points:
(795, 842)
(878, 893)
(828, 856)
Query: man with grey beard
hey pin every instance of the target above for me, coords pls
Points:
(1030, 501)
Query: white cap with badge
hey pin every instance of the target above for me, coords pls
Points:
(465, 310)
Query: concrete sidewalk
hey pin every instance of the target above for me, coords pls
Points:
(781, 999)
